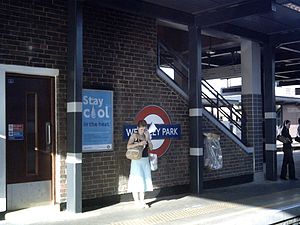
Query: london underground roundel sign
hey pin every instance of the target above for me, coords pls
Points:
(155, 115)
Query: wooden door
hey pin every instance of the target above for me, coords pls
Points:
(30, 137)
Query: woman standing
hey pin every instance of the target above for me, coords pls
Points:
(288, 160)
(140, 173)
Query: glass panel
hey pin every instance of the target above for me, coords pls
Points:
(31, 132)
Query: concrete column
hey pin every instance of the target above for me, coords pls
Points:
(74, 108)
(270, 111)
(252, 121)
(195, 110)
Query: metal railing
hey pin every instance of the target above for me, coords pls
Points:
(168, 58)
(234, 116)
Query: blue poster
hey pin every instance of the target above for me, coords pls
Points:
(97, 120)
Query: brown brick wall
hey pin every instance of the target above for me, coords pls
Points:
(235, 161)
(120, 55)
(34, 33)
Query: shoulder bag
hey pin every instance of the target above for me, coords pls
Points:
(283, 139)
(134, 153)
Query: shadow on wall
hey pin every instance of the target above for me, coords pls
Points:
(93, 204)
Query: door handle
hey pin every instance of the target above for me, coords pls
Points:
(48, 133)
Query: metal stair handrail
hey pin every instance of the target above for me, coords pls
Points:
(219, 101)
(222, 101)
(174, 54)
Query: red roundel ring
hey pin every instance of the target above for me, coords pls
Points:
(156, 110)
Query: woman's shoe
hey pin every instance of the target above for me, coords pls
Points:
(294, 178)
(144, 205)
(283, 178)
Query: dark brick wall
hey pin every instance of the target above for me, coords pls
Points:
(252, 126)
(120, 54)
(34, 33)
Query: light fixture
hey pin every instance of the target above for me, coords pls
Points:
(210, 51)
(209, 64)
(292, 6)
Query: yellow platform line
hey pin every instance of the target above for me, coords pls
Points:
(177, 214)
(197, 211)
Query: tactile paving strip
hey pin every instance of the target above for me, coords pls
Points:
(195, 211)
(179, 214)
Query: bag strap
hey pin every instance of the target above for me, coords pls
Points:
(137, 139)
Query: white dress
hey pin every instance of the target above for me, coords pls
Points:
(140, 172)
(140, 176)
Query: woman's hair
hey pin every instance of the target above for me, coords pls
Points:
(142, 123)
(286, 122)
(298, 120)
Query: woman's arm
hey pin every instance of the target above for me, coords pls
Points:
(147, 136)
(150, 145)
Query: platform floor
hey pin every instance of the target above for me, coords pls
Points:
(260, 202)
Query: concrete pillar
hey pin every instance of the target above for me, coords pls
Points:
(252, 122)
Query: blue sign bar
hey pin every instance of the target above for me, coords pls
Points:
(163, 131)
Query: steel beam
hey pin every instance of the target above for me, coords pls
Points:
(195, 111)
(149, 10)
(269, 109)
(285, 38)
(242, 32)
(289, 83)
(232, 12)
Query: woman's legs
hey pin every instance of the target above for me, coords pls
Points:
(284, 166)
(142, 201)
(139, 199)
(291, 165)
(135, 197)
(288, 161)
(142, 196)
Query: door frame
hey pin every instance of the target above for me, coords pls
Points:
(22, 70)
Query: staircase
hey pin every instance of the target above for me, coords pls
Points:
(174, 69)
